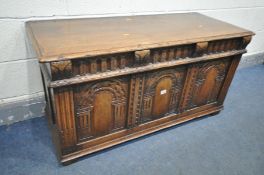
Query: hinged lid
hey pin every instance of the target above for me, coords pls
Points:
(74, 38)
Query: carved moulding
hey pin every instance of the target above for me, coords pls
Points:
(135, 99)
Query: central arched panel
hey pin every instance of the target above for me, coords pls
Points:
(162, 97)
(102, 120)
(162, 91)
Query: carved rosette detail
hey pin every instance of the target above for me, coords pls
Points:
(61, 70)
(142, 56)
(201, 48)
(246, 41)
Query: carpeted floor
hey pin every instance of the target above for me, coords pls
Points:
(231, 143)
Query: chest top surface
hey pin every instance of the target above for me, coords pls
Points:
(74, 38)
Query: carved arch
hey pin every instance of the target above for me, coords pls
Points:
(152, 81)
(88, 93)
(88, 120)
(203, 71)
(204, 68)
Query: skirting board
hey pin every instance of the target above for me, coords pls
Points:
(21, 108)
(31, 106)
(251, 60)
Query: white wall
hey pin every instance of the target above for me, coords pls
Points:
(19, 73)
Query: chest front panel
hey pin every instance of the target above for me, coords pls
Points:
(107, 109)
(115, 104)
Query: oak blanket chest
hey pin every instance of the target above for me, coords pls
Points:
(110, 80)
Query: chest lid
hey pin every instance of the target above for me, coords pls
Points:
(63, 39)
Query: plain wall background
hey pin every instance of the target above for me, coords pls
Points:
(19, 71)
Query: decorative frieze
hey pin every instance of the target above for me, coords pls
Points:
(84, 66)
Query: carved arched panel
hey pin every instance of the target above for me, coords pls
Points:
(205, 83)
(100, 107)
(103, 118)
(162, 97)
(162, 93)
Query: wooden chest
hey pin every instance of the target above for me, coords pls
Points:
(110, 80)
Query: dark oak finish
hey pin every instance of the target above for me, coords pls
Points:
(110, 80)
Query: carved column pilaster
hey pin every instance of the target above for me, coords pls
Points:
(63, 98)
(135, 100)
